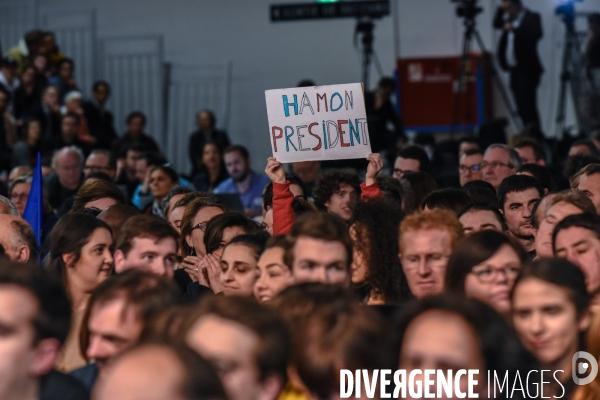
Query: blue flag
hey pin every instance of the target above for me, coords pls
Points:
(35, 202)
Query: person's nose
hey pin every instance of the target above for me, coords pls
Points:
(423, 268)
(96, 349)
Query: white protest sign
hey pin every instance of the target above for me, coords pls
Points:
(318, 123)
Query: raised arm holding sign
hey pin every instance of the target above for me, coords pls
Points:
(318, 123)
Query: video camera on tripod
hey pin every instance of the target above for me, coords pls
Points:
(467, 9)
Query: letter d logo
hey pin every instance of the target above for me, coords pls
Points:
(577, 365)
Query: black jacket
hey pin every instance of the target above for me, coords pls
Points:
(527, 36)
(100, 124)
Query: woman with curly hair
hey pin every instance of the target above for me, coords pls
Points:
(375, 268)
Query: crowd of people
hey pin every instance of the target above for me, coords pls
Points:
(229, 283)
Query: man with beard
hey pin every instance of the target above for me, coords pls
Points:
(247, 183)
(517, 195)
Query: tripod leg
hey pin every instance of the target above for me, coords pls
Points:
(462, 72)
(516, 119)
(564, 78)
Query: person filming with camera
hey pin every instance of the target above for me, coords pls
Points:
(517, 54)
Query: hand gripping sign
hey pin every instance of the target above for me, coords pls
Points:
(318, 123)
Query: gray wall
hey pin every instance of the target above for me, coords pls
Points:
(267, 55)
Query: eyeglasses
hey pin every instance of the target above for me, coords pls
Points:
(463, 169)
(201, 226)
(21, 196)
(487, 274)
(494, 165)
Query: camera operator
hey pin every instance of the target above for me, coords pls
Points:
(590, 97)
(517, 53)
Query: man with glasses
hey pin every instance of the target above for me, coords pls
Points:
(100, 160)
(499, 162)
(469, 169)
(410, 159)
(147, 243)
(426, 243)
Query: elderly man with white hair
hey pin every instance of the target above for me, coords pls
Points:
(499, 161)
(68, 164)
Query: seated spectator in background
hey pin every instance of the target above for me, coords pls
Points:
(421, 184)
(173, 196)
(20, 171)
(206, 122)
(18, 193)
(426, 242)
(64, 80)
(499, 162)
(28, 92)
(585, 148)
(98, 195)
(381, 115)
(542, 174)
(480, 217)
(410, 159)
(68, 163)
(375, 268)
(115, 216)
(9, 80)
(148, 243)
(211, 169)
(162, 179)
(136, 121)
(575, 165)
(238, 264)
(449, 332)
(550, 312)
(239, 331)
(450, 199)
(243, 180)
(17, 239)
(469, 168)
(81, 257)
(31, 43)
(467, 143)
(273, 275)
(162, 371)
(126, 172)
(47, 111)
(530, 152)
(481, 192)
(100, 121)
(577, 238)
(517, 195)
(484, 266)
(7, 207)
(560, 206)
(337, 191)
(69, 136)
(589, 184)
(36, 317)
(142, 196)
(321, 249)
(308, 172)
(117, 313)
(73, 106)
(100, 160)
(8, 135)
(24, 152)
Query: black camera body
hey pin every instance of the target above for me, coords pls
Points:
(467, 9)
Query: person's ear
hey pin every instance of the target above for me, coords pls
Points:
(270, 387)
(68, 258)
(188, 240)
(119, 260)
(585, 320)
(23, 254)
(46, 354)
